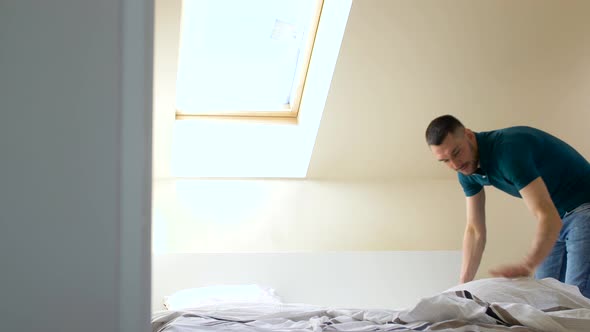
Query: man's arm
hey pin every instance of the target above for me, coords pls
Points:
(474, 240)
(538, 201)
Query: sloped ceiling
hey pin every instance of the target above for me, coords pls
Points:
(491, 63)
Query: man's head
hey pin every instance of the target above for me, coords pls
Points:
(453, 144)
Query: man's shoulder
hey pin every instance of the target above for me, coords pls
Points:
(521, 130)
(511, 139)
(515, 132)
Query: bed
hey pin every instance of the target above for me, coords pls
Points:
(483, 305)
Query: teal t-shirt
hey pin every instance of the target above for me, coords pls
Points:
(511, 158)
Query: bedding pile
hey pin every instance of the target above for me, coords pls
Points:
(522, 305)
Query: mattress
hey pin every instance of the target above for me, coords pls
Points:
(524, 305)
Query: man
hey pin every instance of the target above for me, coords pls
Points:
(552, 178)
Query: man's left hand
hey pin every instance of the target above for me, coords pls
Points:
(512, 271)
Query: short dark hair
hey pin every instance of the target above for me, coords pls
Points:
(439, 128)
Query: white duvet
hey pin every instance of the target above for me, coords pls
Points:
(484, 305)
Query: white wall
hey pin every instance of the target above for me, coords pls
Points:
(368, 279)
(75, 89)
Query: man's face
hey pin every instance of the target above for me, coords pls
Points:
(458, 152)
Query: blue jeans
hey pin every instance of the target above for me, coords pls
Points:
(569, 260)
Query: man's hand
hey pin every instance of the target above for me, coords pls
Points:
(512, 271)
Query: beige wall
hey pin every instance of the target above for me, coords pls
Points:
(373, 184)
(284, 215)
(492, 63)
(210, 216)
(166, 36)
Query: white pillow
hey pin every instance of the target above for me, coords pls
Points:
(220, 294)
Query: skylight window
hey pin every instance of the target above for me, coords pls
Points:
(228, 72)
(244, 58)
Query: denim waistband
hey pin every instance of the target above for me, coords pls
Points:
(579, 208)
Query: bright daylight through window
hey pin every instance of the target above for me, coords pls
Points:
(267, 60)
(244, 58)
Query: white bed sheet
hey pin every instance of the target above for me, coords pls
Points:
(459, 309)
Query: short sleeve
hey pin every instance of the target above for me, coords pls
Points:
(470, 186)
